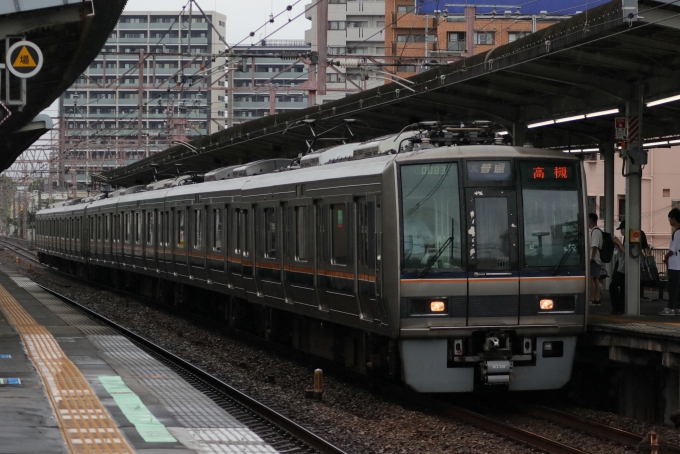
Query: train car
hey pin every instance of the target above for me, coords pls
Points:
(447, 266)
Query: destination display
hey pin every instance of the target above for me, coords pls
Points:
(547, 175)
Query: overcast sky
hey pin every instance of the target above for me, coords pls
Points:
(243, 16)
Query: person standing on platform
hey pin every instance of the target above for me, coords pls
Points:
(617, 287)
(672, 260)
(595, 261)
(646, 251)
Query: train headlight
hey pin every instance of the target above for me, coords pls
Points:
(438, 306)
(428, 306)
(547, 304)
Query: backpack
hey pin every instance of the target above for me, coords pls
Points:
(607, 249)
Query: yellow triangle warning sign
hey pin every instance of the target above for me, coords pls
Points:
(24, 59)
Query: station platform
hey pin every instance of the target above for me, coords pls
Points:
(69, 385)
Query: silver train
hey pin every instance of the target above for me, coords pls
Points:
(448, 267)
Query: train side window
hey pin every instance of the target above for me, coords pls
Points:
(107, 227)
(91, 228)
(301, 234)
(198, 229)
(180, 228)
(149, 227)
(161, 224)
(217, 229)
(166, 235)
(339, 234)
(270, 233)
(243, 233)
(128, 227)
(99, 228)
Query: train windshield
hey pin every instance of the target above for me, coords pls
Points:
(431, 217)
(550, 200)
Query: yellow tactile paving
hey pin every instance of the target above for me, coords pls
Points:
(84, 422)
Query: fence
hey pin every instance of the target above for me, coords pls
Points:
(659, 255)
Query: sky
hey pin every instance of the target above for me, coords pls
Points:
(243, 16)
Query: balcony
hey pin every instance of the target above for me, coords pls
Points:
(368, 34)
(455, 46)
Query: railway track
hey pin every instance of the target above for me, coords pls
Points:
(214, 386)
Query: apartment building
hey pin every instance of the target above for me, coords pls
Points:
(355, 29)
(154, 83)
(268, 82)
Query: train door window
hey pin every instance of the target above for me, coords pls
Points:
(270, 233)
(161, 223)
(243, 233)
(301, 234)
(107, 227)
(237, 230)
(91, 228)
(198, 229)
(128, 227)
(339, 234)
(149, 227)
(362, 231)
(217, 229)
(138, 227)
(72, 235)
(180, 228)
(78, 228)
(99, 228)
(320, 230)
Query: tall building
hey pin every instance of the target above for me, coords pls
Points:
(157, 82)
(265, 83)
(356, 31)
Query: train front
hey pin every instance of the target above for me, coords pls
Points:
(492, 270)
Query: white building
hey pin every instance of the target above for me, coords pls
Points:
(356, 30)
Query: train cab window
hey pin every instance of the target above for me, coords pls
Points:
(198, 229)
(430, 211)
(551, 230)
(180, 228)
(138, 228)
(149, 227)
(128, 227)
(217, 229)
(339, 234)
(270, 233)
(301, 234)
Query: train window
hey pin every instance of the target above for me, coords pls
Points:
(180, 228)
(301, 234)
(160, 228)
(270, 233)
(99, 228)
(149, 227)
(339, 234)
(551, 230)
(91, 228)
(198, 229)
(243, 232)
(138, 228)
(128, 227)
(237, 229)
(217, 229)
(73, 232)
(430, 210)
(320, 230)
(107, 228)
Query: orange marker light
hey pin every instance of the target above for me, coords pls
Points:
(547, 305)
(437, 306)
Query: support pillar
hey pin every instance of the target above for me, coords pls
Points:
(470, 16)
(519, 134)
(608, 151)
(633, 173)
(322, 45)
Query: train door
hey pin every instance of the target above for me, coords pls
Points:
(251, 252)
(299, 261)
(238, 251)
(365, 258)
(320, 253)
(493, 245)
(270, 251)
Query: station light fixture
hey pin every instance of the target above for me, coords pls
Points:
(502, 133)
(602, 112)
(566, 119)
(540, 123)
(673, 142)
(663, 101)
(654, 144)
(590, 150)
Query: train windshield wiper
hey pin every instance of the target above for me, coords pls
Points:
(430, 263)
(564, 258)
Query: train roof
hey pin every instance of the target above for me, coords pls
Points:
(367, 167)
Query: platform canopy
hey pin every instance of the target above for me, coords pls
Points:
(574, 70)
(70, 34)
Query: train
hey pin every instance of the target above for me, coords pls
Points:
(439, 256)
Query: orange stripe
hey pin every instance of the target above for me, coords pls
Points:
(488, 279)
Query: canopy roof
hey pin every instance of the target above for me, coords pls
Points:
(590, 63)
